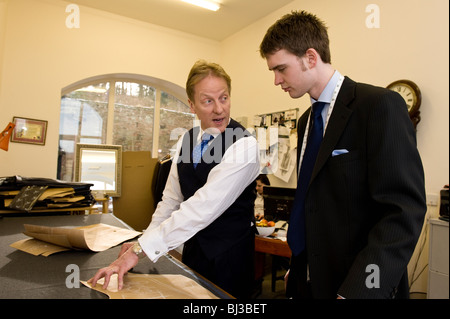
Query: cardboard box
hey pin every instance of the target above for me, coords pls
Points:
(136, 204)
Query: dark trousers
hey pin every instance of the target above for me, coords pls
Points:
(297, 285)
(233, 270)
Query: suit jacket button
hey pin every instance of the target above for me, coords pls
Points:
(394, 293)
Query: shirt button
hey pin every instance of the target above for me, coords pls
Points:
(157, 252)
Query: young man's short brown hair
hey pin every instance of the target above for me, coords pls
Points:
(200, 70)
(297, 32)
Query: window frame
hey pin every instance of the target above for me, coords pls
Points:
(159, 85)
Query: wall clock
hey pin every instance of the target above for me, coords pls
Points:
(410, 92)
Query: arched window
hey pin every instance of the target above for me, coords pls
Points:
(138, 112)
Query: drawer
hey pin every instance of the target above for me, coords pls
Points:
(439, 246)
(437, 286)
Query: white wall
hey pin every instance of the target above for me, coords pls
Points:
(41, 56)
(3, 12)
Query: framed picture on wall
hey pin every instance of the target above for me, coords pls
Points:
(30, 131)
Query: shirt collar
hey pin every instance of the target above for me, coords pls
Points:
(327, 93)
(199, 136)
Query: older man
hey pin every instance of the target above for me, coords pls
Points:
(209, 196)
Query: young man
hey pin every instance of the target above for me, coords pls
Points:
(361, 202)
(208, 201)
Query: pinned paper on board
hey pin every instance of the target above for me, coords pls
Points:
(49, 240)
(150, 286)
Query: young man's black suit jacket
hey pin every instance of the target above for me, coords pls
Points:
(365, 208)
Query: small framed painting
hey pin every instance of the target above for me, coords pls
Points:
(30, 131)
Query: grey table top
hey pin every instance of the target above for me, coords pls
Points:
(26, 276)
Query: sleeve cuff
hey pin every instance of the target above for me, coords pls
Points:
(152, 244)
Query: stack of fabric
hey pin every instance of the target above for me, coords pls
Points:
(19, 193)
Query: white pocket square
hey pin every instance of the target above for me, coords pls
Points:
(339, 152)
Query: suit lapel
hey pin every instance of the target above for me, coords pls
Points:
(336, 125)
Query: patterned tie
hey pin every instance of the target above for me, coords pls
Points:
(198, 151)
(296, 230)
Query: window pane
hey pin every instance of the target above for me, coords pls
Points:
(84, 115)
(133, 116)
(175, 119)
(83, 118)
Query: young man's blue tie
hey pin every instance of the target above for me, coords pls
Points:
(296, 230)
(198, 151)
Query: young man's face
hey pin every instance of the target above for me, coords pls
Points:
(212, 103)
(291, 73)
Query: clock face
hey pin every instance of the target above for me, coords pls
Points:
(407, 94)
(410, 92)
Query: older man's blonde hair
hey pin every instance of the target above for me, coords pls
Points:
(200, 70)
